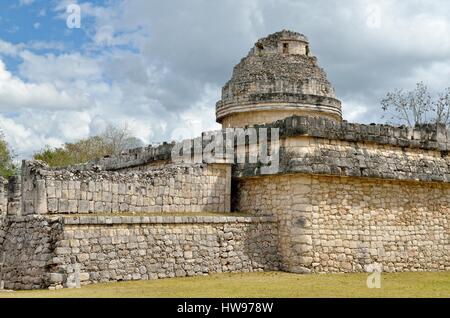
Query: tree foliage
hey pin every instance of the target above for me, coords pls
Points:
(113, 140)
(418, 106)
(7, 167)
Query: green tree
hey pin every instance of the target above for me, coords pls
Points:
(113, 140)
(7, 167)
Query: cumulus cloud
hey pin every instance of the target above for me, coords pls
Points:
(67, 68)
(367, 47)
(159, 66)
(25, 2)
(29, 139)
(16, 94)
(7, 48)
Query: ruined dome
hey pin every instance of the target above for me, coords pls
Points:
(278, 78)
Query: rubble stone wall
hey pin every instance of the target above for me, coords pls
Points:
(362, 159)
(320, 146)
(3, 196)
(57, 252)
(178, 188)
(346, 196)
(27, 248)
(342, 224)
(14, 195)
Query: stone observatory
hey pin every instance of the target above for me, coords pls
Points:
(344, 197)
(278, 78)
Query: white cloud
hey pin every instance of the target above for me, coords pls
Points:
(436, 75)
(10, 49)
(29, 140)
(66, 68)
(25, 2)
(160, 70)
(198, 118)
(45, 45)
(7, 48)
(421, 32)
(16, 94)
(354, 109)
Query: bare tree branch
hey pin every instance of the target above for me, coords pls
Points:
(417, 106)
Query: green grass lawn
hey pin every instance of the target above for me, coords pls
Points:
(272, 284)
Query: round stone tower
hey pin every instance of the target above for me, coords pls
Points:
(278, 78)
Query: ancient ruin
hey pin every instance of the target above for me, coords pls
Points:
(344, 195)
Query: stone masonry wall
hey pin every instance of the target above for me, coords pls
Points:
(192, 188)
(260, 113)
(319, 146)
(434, 137)
(425, 137)
(3, 196)
(27, 247)
(3, 213)
(3, 228)
(358, 159)
(131, 159)
(57, 252)
(347, 195)
(342, 224)
(14, 195)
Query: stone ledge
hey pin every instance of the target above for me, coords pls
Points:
(160, 219)
(279, 101)
(32, 217)
(428, 137)
(131, 158)
(111, 220)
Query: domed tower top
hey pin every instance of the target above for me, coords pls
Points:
(278, 78)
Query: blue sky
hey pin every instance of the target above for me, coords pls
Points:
(158, 66)
(39, 21)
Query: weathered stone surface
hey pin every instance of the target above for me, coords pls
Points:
(28, 246)
(320, 146)
(176, 188)
(278, 78)
(352, 222)
(3, 196)
(134, 248)
(346, 196)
